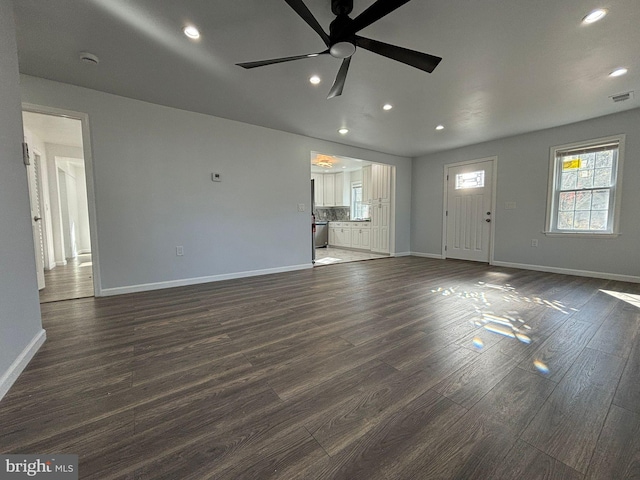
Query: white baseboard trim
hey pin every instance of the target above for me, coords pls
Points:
(11, 375)
(106, 292)
(61, 264)
(401, 254)
(569, 271)
(84, 252)
(427, 255)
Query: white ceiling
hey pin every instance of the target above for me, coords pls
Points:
(509, 66)
(340, 164)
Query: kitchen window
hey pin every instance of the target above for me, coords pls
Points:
(358, 209)
(584, 187)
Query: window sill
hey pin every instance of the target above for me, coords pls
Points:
(582, 235)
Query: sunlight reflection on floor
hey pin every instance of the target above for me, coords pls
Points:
(508, 323)
(630, 298)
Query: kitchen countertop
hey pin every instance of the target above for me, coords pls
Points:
(339, 221)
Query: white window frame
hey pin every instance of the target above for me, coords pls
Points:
(355, 185)
(553, 190)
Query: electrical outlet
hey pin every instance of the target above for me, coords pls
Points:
(216, 177)
(179, 250)
(301, 207)
(534, 242)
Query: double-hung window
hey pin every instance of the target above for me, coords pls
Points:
(584, 187)
(358, 208)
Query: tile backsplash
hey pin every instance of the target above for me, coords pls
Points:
(332, 214)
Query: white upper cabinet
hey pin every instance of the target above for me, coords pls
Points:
(381, 183)
(332, 189)
(367, 196)
(329, 190)
(318, 190)
(343, 189)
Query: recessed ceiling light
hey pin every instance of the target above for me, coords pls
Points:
(618, 72)
(387, 106)
(343, 131)
(594, 16)
(344, 167)
(315, 79)
(191, 32)
(440, 127)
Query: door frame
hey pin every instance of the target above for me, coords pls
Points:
(90, 179)
(494, 181)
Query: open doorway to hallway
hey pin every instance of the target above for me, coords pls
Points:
(59, 206)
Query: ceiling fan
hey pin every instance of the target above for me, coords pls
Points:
(342, 39)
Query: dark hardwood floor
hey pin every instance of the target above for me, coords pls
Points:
(70, 281)
(400, 368)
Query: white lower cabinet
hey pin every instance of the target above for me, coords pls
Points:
(380, 222)
(361, 235)
(343, 236)
(350, 235)
(365, 238)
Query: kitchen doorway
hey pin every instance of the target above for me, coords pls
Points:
(60, 203)
(353, 207)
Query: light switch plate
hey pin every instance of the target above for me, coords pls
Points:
(509, 205)
(216, 177)
(301, 207)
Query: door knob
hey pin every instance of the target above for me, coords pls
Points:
(37, 219)
(488, 220)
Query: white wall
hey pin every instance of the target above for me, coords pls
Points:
(523, 169)
(84, 236)
(54, 151)
(74, 207)
(355, 176)
(152, 170)
(20, 326)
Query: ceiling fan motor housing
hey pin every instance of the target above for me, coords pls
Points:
(343, 40)
(341, 7)
(342, 46)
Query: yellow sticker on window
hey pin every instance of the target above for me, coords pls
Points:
(571, 164)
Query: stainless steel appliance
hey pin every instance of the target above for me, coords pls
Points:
(313, 221)
(322, 234)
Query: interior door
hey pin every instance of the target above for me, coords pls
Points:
(468, 211)
(33, 174)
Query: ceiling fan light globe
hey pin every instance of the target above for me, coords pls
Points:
(342, 49)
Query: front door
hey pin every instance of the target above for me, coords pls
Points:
(468, 211)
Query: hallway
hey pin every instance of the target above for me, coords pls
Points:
(70, 281)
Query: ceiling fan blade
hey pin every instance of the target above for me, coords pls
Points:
(372, 14)
(338, 84)
(302, 10)
(262, 63)
(422, 61)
